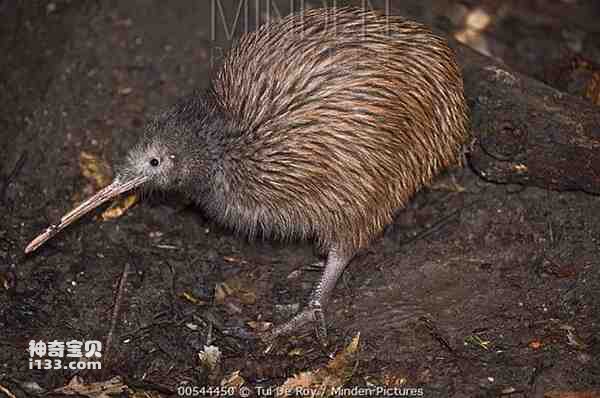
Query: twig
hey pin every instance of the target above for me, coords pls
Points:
(12, 176)
(442, 222)
(148, 385)
(117, 307)
(7, 392)
(433, 330)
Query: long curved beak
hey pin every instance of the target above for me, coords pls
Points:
(116, 188)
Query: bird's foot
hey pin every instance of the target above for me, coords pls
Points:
(316, 266)
(313, 313)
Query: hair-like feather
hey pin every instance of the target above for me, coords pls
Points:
(321, 125)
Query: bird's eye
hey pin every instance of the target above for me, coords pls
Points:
(154, 162)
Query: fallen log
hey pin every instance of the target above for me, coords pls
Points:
(527, 132)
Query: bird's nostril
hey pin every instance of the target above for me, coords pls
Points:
(154, 162)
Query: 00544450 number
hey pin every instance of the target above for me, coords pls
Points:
(196, 391)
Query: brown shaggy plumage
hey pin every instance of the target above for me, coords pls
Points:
(346, 113)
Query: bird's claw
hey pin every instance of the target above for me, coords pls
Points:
(320, 325)
(313, 313)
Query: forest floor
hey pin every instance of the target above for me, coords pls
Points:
(476, 290)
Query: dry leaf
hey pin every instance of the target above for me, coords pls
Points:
(593, 89)
(233, 380)
(345, 359)
(535, 344)
(103, 389)
(192, 299)
(238, 288)
(449, 185)
(304, 381)
(221, 292)
(321, 381)
(210, 357)
(147, 394)
(95, 170)
(296, 352)
(394, 380)
(478, 341)
(189, 297)
(260, 326)
(575, 341)
(99, 174)
(119, 207)
(235, 260)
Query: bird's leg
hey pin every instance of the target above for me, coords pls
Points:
(316, 266)
(334, 266)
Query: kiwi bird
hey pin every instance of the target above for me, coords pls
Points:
(318, 126)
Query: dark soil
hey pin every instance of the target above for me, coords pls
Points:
(515, 268)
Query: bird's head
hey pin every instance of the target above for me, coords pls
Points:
(162, 159)
(173, 153)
